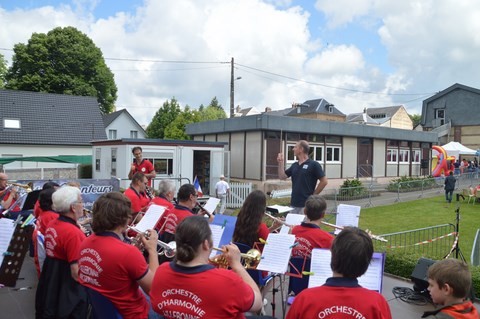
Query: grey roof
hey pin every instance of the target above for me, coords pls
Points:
(267, 122)
(314, 106)
(361, 118)
(50, 118)
(109, 118)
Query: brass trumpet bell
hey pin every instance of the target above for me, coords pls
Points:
(251, 258)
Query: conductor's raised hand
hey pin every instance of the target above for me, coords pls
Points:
(280, 158)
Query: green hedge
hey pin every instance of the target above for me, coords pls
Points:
(402, 265)
(410, 184)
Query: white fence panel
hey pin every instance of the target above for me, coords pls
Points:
(238, 193)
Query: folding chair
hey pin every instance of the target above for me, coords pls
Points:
(102, 308)
(468, 192)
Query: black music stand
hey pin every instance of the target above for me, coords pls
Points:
(14, 256)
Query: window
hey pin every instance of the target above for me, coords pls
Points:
(416, 156)
(162, 166)
(112, 134)
(440, 115)
(333, 153)
(133, 134)
(113, 171)
(11, 123)
(392, 155)
(315, 153)
(404, 156)
(98, 153)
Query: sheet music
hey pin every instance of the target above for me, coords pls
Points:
(7, 228)
(347, 215)
(276, 253)
(217, 233)
(211, 204)
(151, 217)
(320, 267)
(293, 220)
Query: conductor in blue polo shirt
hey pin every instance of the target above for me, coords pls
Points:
(305, 174)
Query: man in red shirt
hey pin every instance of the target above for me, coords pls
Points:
(141, 165)
(112, 267)
(136, 194)
(166, 193)
(8, 195)
(59, 294)
(187, 200)
(341, 296)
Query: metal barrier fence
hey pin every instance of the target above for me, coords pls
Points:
(238, 193)
(434, 242)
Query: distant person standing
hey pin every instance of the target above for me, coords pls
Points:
(222, 190)
(449, 187)
(304, 173)
(141, 165)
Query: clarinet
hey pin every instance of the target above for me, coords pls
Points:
(149, 192)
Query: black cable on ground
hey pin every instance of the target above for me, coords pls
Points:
(411, 296)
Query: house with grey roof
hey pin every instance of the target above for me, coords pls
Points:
(44, 124)
(121, 124)
(319, 109)
(454, 115)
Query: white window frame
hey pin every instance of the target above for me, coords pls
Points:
(404, 156)
(335, 159)
(133, 134)
(392, 155)
(98, 159)
(112, 134)
(440, 118)
(13, 124)
(416, 156)
(290, 161)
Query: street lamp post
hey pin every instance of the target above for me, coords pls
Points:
(232, 90)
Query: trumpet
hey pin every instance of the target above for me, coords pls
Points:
(167, 249)
(251, 259)
(26, 187)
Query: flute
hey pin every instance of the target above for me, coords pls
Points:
(379, 238)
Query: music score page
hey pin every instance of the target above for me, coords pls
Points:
(151, 217)
(217, 233)
(276, 253)
(347, 215)
(320, 267)
(7, 228)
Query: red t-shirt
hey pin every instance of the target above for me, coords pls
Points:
(112, 268)
(162, 201)
(339, 298)
(15, 208)
(308, 237)
(139, 200)
(37, 210)
(199, 292)
(145, 167)
(171, 218)
(63, 238)
(44, 218)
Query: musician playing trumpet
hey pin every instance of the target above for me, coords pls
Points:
(113, 267)
(8, 195)
(190, 287)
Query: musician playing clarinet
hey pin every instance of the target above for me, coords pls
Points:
(113, 267)
(189, 287)
(341, 296)
(136, 194)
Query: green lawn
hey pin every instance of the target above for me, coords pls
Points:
(421, 213)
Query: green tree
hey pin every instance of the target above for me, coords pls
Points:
(63, 61)
(176, 129)
(162, 118)
(3, 71)
(416, 118)
(214, 111)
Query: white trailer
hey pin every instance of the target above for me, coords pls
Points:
(178, 160)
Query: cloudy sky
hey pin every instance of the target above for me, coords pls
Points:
(353, 53)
